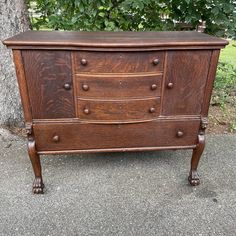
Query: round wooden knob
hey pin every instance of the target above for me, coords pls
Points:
(86, 111)
(156, 61)
(85, 87)
(180, 133)
(170, 85)
(152, 109)
(67, 86)
(55, 138)
(84, 62)
(153, 86)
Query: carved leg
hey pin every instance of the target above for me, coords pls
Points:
(35, 160)
(197, 152)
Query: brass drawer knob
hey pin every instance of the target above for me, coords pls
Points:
(156, 61)
(55, 138)
(180, 133)
(83, 62)
(67, 86)
(85, 87)
(170, 85)
(86, 111)
(153, 87)
(152, 110)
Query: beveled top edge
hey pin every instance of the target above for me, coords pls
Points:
(106, 39)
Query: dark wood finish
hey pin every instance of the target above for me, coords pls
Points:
(58, 39)
(210, 82)
(47, 74)
(115, 91)
(102, 136)
(118, 110)
(19, 66)
(100, 150)
(118, 49)
(38, 185)
(118, 62)
(185, 81)
(197, 153)
(118, 86)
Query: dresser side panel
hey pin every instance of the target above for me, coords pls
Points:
(20, 73)
(210, 82)
(47, 72)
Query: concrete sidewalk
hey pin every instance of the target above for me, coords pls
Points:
(141, 193)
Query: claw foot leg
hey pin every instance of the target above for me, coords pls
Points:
(35, 161)
(38, 186)
(193, 178)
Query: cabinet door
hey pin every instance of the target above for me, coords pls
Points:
(49, 81)
(185, 81)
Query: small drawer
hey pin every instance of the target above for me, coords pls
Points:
(118, 110)
(118, 86)
(118, 62)
(84, 136)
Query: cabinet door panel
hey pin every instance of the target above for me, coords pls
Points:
(186, 76)
(46, 73)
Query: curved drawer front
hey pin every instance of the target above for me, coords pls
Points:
(118, 110)
(118, 86)
(84, 136)
(118, 62)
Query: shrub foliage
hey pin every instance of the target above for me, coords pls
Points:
(134, 15)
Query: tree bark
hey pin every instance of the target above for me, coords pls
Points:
(13, 19)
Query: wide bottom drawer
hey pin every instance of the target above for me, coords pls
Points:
(84, 136)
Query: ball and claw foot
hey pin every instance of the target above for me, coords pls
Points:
(193, 178)
(38, 186)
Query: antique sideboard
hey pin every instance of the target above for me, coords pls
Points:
(114, 91)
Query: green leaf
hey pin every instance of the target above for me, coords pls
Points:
(220, 15)
(102, 14)
(215, 10)
(140, 26)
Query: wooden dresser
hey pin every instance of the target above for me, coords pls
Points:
(114, 91)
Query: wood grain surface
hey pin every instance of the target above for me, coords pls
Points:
(23, 88)
(114, 39)
(46, 73)
(118, 110)
(106, 86)
(101, 136)
(210, 82)
(115, 91)
(187, 71)
(118, 62)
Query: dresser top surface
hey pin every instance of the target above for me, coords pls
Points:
(114, 39)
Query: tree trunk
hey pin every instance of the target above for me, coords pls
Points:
(13, 19)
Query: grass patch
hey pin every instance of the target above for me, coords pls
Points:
(225, 83)
(224, 93)
(228, 54)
